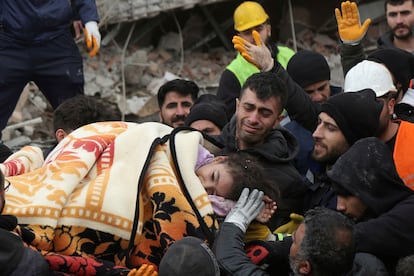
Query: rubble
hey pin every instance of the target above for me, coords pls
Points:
(128, 72)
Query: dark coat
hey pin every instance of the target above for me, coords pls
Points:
(275, 155)
(232, 259)
(367, 171)
(37, 21)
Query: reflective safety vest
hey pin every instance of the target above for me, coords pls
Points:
(243, 69)
(404, 153)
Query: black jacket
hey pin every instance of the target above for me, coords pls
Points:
(232, 259)
(386, 40)
(367, 171)
(276, 155)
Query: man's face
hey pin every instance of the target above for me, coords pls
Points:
(206, 126)
(319, 92)
(400, 19)
(175, 108)
(264, 30)
(295, 261)
(330, 143)
(352, 206)
(255, 118)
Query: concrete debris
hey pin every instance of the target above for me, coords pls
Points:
(134, 89)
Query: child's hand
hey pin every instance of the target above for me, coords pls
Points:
(267, 211)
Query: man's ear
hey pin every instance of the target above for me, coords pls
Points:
(237, 104)
(391, 105)
(160, 117)
(60, 134)
(305, 268)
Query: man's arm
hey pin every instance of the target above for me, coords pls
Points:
(299, 105)
(228, 90)
(229, 250)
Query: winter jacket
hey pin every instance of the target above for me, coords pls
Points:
(367, 171)
(232, 259)
(276, 155)
(386, 40)
(42, 20)
(236, 73)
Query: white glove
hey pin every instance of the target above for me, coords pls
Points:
(247, 208)
(92, 37)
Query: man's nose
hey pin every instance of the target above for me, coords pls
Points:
(317, 133)
(180, 110)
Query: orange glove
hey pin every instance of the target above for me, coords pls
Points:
(92, 37)
(144, 270)
(239, 45)
(349, 24)
(256, 53)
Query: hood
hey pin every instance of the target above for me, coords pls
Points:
(367, 171)
(279, 146)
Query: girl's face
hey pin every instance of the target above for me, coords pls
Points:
(215, 178)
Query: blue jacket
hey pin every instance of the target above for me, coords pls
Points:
(42, 20)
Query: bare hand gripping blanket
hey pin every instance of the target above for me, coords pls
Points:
(113, 190)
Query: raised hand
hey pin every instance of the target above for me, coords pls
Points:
(349, 24)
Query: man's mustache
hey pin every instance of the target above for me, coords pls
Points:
(401, 26)
(178, 119)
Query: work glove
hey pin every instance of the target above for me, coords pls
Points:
(92, 37)
(291, 226)
(349, 24)
(247, 208)
(257, 54)
(144, 270)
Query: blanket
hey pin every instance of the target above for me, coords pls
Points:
(117, 191)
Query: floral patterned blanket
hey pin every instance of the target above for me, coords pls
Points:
(116, 191)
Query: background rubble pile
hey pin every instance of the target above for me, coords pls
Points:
(137, 57)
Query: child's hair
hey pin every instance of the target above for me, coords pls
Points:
(247, 172)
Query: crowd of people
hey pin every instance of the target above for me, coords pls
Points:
(302, 177)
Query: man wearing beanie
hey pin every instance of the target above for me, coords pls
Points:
(207, 117)
(311, 71)
(343, 119)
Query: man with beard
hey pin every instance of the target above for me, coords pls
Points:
(175, 98)
(400, 19)
(342, 120)
(252, 23)
(255, 129)
(323, 244)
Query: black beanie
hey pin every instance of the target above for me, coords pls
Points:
(210, 111)
(356, 113)
(189, 256)
(399, 62)
(308, 67)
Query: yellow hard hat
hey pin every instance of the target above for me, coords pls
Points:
(249, 14)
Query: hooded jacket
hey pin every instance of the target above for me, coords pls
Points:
(367, 171)
(276, 155)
